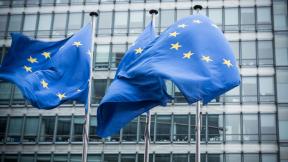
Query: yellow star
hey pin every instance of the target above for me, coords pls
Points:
(44, 84)
(182, 26)
(187, 55)
(197, 22)
(77, 44)
(27, 68)
(175, 46)
(32, 60)
(227, 62)
(174, 34)
(46, 54)
(138, 50)
(206, 58)
(61, 96)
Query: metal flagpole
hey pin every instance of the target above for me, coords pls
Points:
(87, 111)
(198, 114)
(148, 116)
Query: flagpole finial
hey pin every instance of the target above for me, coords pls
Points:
(93, 14)
(197, 7)
(153, 11)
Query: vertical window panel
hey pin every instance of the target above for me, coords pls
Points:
(102, 56)
(11, 158)
(247, 19)
(32, 2)
(264, 18)
(283, 122)
(281, 49)
(18, 98)
(3, 126)
(98, 91)
(128, 157)
(269, 158)
(167, 18)
(235, 47)
(265, 53)
(216, 16)
(231, 19)
(180, 128)
(118, 51)
(282, 85)
(163, 128)
(233, 157)
(92, 131)
(266, 88)
(180, 157)
(14, 129)
(129, 132)
(110, 157)
(248, 53)
(249, 89)
(60, 158)
(29, 24)
(181, 13)
(47, 128)
(30, 129)
(136, 22)
(63, 129)
(120, 23)
(15, 23)
(233, 130)
(105, 23)
(59, 24)
(3, 22)
(44, 25)
(43, 158)
(214, 158)
(280, 15)
(162, 157)
(250, 128)
(78, 123)
(76, 158)
(268, 127)
(215, 128)
(251, 158)
(5, 93)
(233, 95)
(94, 158)
(27, 158)
(75, 22)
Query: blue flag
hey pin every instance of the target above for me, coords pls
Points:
(49, 73)
(194, 54)
(126, 100)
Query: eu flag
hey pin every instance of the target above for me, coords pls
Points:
(126, 100)
(49, 73)
(194, 54)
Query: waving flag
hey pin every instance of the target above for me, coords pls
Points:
(194, 54)
(49, 73)
(126, 100)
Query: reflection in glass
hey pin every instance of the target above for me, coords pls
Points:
(250, 128)
(63, 129)
(232, 129)
(14, 129)
(47, 128)
(30, 129)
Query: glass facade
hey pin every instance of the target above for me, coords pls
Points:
(247, 124)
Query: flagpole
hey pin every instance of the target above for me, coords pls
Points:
(198, 115)
(148, 115)
(87, 110)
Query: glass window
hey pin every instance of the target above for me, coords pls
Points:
(249, 89)
(264, 18)
(5, 3)
(283, 122)
(15, 23)
(118, 51)
(232, 127)
(269, 158)
(283, 153)
(3, 125)
(268, 127)
(61, 1)
(281, 49)
(192, 158)
(102, 55)
(231, 19)
(233, 95)
(280, 15)
(233, 157)
(18, 98)
(162, 157)
(27, 158)
(78, 123)
(214, 158)
(120, 23)
(30, 24)
(63, 129)
(3, 21)
(5, 93)
(14, 129)
(265, 53)
(59, 24)
(60, 158)
(47, 128)
(76, 158)
(180, 157)
(142, 128)
(250, 127)
(30, 129)
(215, 128)
(282, 85)
(129, 132)
(11, 158)
(251, 158)
(110, 157)
(76, 1)
(247, 19)
(182, 13)
(248, 53)
(92, 131)
(128, 157)
(94, 158)
(105, 23)
(99, 88)
(216, 16)
(136, 22)
(32, 2)
(44, 25)
(47, 2)
(43, 158)
(266, 88)
(163, 128)
(235, 48)
(74, 23)
(167, 18)
(180, 128)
